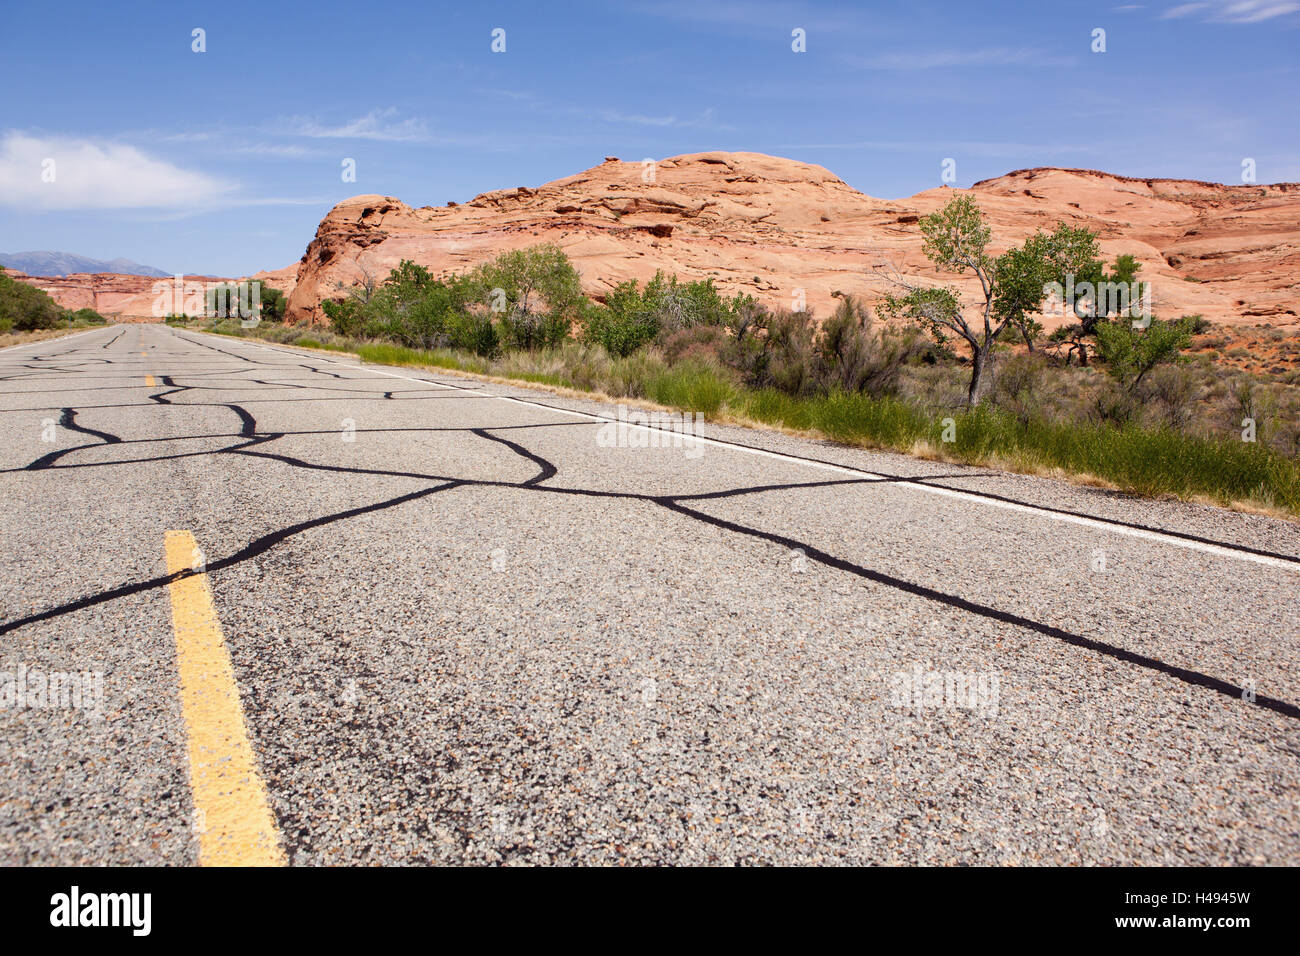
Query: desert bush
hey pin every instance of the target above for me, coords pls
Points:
(25, 308)
(1168, 392)
(1130, 353)
(683, 305)
(1113, 405)
(698, 342)
(1016, 385)
(852, 355)
(847, 353)
(775, 350)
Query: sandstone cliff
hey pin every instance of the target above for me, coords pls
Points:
(771, 226)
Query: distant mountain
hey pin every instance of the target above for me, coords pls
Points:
(65, 263)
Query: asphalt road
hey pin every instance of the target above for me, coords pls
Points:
(462, 628)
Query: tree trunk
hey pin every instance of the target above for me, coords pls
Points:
(979, 362)
(1086, 328)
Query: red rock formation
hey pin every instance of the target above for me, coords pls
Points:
(128, 298)
(771, 226)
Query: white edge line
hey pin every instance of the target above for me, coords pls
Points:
(57, 338)
(1086, 522)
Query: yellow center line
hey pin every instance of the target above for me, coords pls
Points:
(148, 380)
(232, 813)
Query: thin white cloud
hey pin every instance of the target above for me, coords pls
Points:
(703, 121)
(614, 116)
(508, 94)
(380, 125)
(946, 59)
(71, 173)
(760, 16)
(1233, 11)
(1255, 11)
(956, 148)
(271, 149)
(1182, 10)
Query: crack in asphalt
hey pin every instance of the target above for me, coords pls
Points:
(547, 470)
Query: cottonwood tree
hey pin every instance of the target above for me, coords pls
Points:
(537, 291)
(1044, 259)
(1012, 285)
(1095, 309)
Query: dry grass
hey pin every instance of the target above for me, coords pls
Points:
(38, 335)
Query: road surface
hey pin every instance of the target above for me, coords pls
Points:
(330, 613)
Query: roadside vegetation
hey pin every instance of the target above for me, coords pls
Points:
(28, 313)
(1139, 406)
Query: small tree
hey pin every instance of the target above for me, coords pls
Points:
(1090, 311)
(538, 291)
(1024, 273)
(1012, 285)
(273, 304)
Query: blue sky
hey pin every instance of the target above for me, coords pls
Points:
(223, 162)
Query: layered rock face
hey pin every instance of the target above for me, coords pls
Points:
(786, 232)
(131, 298)
(123, 297)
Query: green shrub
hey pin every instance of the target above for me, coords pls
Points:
(535, 292)
(345, 316)
(1131, 353)
(25, 308)
(623, 324)
(847, 353)
(632, 317)
(473, 333)
(86, 317)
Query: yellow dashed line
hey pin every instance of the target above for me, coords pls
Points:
(233, 815)
(148, 380)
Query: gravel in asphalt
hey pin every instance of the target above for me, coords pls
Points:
(467, 631)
